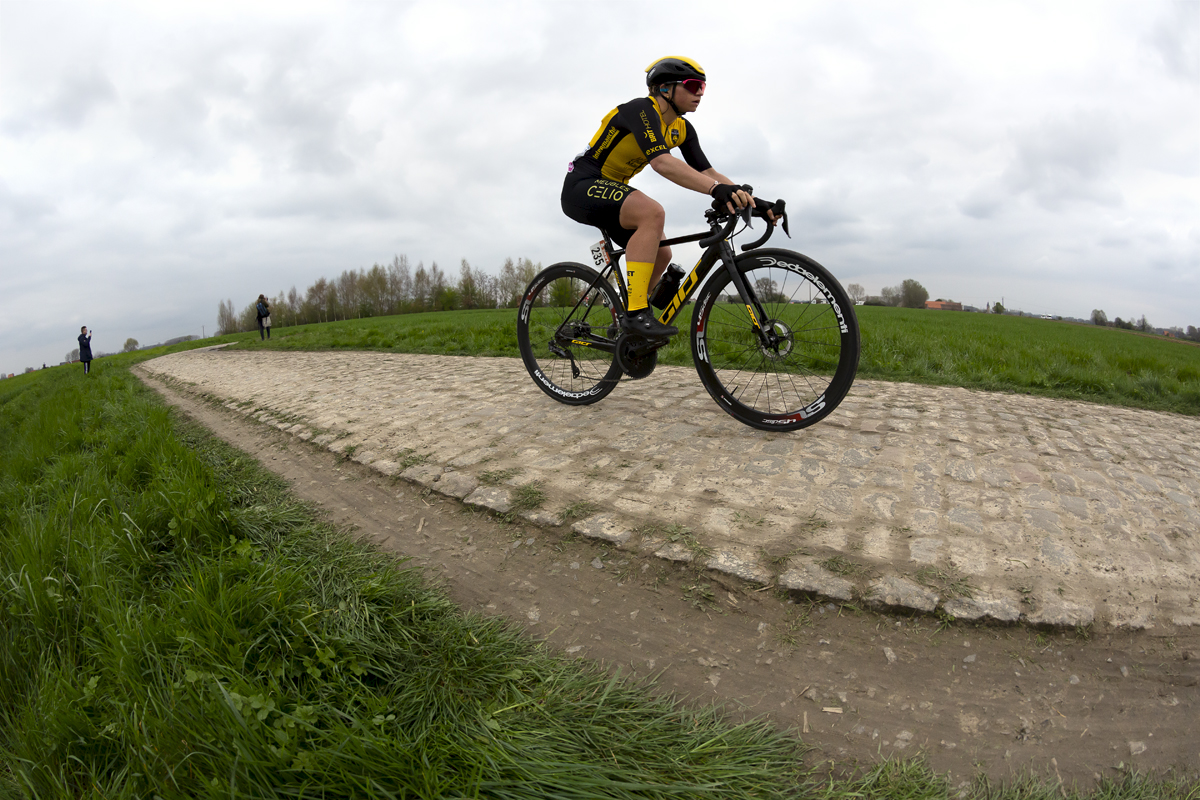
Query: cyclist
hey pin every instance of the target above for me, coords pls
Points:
(596, 190)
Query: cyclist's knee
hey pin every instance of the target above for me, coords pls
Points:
(638, 211)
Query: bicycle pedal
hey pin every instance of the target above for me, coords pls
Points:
(643, 344)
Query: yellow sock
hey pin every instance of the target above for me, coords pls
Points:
(638, 282)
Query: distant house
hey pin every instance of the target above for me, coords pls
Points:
(945, 305)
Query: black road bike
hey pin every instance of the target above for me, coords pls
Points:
(774, 336)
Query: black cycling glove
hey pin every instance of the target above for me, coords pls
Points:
(723, 193)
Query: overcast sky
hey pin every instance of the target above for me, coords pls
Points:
(157, 158)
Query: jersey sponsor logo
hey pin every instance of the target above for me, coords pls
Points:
(649, 128)
(605, 192)
(608, 139)
(658, 148)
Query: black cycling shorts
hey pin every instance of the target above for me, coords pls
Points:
(597, 201)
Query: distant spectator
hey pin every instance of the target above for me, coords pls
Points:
(85, 349)
(263, 310)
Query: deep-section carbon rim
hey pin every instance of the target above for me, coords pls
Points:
(568, 350)
(802, 367)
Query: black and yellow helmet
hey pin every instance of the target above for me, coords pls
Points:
(673, 69)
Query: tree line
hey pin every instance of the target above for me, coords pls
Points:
(383, 291)
(1100, 318)
(909, 294)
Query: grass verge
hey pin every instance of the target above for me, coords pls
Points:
(175, 625)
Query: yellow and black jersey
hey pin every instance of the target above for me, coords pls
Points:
(631, 136)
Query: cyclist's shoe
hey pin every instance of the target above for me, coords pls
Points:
(643, 323)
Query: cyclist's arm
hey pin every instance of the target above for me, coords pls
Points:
(677, 171)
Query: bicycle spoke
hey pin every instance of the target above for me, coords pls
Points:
(569, 310)
(794, 356)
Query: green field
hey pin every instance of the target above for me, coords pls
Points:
(953, 348)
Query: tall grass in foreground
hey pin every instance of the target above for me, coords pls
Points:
(951, 348)
(174, 625)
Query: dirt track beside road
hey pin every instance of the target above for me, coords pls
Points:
(975, 697)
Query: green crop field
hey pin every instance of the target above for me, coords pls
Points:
(978, 351)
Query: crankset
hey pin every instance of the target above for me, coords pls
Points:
(637, 356)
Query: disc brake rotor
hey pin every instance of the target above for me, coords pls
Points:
(782, 341)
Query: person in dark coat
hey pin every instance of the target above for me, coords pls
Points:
(263, 310)
(85, 349)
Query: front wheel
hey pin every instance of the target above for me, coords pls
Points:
(798, 364)
(567, 328)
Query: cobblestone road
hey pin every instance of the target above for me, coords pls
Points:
(981, 505)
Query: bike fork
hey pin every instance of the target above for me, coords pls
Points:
(758, 316)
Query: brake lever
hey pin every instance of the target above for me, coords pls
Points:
(781, 209)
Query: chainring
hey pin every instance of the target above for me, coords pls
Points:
(637, 356)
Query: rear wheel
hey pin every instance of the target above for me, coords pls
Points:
(567, 329)
(804, 363)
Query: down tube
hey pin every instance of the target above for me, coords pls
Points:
(689, 286)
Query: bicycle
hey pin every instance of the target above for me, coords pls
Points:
(774, 336)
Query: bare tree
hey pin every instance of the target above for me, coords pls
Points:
(131, 344)
(349, 293)
(399, 284)
(1099, 317)
(420, 288)
(226, 318)
(510, 288)
(437, 287)
(373, 287)
(857, 292)
(468, 286)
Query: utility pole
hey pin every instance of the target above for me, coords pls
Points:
(202, 334)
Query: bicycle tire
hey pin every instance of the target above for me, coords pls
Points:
(549, 320)
(801, 379)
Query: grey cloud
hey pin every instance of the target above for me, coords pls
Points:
(329, 202)
(78, 96)
(304, 117)
(23, 208)
(1066, 159)
(174, 121)
(1176, 38)
(985, 201)
(70, 103)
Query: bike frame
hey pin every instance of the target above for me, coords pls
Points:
(717, 247)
